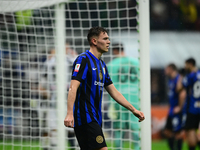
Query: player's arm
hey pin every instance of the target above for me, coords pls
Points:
(119, 98)
(79, 73)
(179, 86)
(182, 97)
(69, 119)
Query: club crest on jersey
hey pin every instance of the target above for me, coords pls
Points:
(77, 67)
(104, 70)
(100, 75)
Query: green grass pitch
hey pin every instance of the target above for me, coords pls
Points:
(156, 145)
(162, 145)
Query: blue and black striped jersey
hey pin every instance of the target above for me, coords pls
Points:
(93, 76)
(173, 94)
(192, 84)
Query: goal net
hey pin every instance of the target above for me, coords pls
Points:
(39, 42)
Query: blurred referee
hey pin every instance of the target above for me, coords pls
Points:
(89, 77)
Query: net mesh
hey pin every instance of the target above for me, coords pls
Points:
(28, 77)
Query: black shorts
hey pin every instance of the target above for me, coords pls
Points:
(174, 123)
(168, 124)
(192, 121)
(90, 136)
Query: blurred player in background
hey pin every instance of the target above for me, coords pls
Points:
(191, 83)
(124, 73)
(174, 123)
(48, 111)
(48, 88)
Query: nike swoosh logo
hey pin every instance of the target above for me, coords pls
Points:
(94, 68)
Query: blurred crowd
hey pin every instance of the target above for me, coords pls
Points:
(175, 15)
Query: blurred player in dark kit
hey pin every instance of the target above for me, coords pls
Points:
(191, 84)
(174, 123)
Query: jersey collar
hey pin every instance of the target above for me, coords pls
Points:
(92, 55)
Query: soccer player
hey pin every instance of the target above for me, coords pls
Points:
(174, 124)
(191, 83)
(89, 77)
(124, 73)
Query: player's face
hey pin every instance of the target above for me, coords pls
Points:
(168, 71)
(187, 67)
(115, 52)
(103, 42)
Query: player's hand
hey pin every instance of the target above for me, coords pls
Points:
(139, 115)
(177, 110)
(69, 121)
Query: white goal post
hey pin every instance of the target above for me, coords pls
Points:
(144, 40)
(74, 30)
(62, 69)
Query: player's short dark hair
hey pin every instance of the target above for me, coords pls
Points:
(118, 46)
(172, 66)
(191, 61)
(95, 31)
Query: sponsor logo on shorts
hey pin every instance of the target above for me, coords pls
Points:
(99, 139)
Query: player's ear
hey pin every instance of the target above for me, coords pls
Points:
(94, 41)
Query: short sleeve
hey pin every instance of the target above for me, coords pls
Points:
(108, 80)
(80, 68)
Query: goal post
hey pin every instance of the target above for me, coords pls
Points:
(41, 53)
(144, 39)
(60, 72)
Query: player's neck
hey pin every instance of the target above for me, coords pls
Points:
(194, 69)
(95, 52)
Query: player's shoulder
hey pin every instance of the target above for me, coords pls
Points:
(198, 72)
(81, 56)
(188, 78)
(116, 60)
(133, 60)
(192, 74)
(111, 62)
(124, 60)
(197, 75)
(129, 59)
(81, 59)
